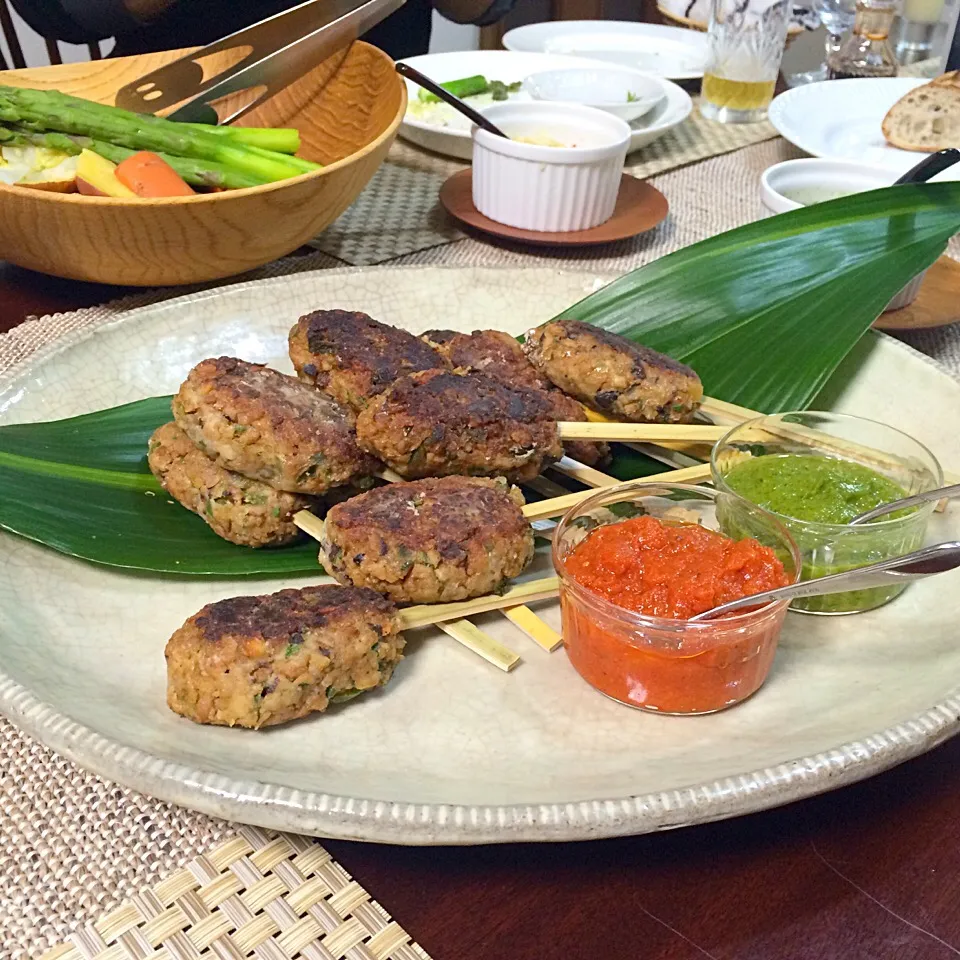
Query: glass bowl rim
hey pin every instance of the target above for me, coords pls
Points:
(669, 624)
(875, 526)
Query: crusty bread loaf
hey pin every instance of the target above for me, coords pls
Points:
(928, 117)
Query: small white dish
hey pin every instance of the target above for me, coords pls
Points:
(548, 188)
(671, 52)
(799, 183)
(442, 130)
(627, 94)
(841, 120)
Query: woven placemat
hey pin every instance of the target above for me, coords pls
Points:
(398, 213)
(259, 894)
(92, 871)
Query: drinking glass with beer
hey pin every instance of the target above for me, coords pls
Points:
(745, 43)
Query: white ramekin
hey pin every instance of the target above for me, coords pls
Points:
(549, 189)
(849, 175)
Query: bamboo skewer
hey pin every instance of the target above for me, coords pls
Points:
(639, 432)
(430, 613)
(546, 487)
(581, 472)
(464, 632)
(546, 509)
(309, 523)
(524, 619)
(482, 644)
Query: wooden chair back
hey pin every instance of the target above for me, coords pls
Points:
(14, 44)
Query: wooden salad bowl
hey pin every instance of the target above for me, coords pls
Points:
(347, 110)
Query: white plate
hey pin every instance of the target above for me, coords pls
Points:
(840, 120)
(454, 140)
(453, 751)
(674, 53)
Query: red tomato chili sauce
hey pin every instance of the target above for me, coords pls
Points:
(671, 572)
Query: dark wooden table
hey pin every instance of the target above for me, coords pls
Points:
(871, 872)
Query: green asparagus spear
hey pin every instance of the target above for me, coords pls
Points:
(199, 173)
(501, 91)
(467, 87)
(281, 140)
(53, 111)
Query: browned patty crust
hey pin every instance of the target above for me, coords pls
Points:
(430, 541)
(613, 375)
(352, 357)
(491, 352)
(437, 423)
(270, 427)
(258, 661)
(243, 511)
(496, 354)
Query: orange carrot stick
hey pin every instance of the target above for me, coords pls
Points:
(149, 176)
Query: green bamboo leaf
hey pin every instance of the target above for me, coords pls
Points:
(82, 486)
(766, 312)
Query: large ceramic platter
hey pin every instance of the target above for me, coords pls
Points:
(841, 120)
(674, 53)
(440, 128)
(453, 751)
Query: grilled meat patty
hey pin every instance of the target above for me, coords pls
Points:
(351, 357)
(438, 423)
(430, 541)
(613, 375)
(496, 354)
(243, 511)
(270, 427)
(260, 661)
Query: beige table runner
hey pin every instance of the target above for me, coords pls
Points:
(74, 847)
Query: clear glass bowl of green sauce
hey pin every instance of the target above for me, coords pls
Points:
(816, 471)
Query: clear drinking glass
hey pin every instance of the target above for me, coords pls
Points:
(745, 43)
(837, 17)
(917, 29)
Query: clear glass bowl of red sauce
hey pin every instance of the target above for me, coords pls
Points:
(637, 560)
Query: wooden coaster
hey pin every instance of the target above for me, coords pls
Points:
(937, 303)
(639, 208)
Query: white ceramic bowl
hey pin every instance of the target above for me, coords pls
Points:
(625, 93)
(545, 188)
(798, 183)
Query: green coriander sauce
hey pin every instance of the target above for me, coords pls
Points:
(813, 488)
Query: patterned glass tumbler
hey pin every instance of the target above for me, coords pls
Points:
(745, 44)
